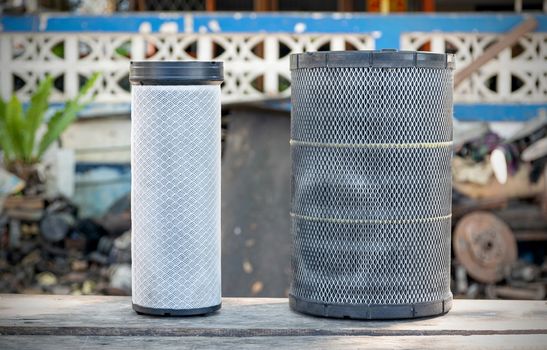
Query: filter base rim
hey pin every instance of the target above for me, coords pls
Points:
(370, 312)
(142, 310)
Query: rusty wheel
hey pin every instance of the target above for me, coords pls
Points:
(485, 246)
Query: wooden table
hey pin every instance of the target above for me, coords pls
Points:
(86, 322)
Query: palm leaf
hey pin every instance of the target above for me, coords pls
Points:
(5, 140)
(15, 126)
(2, 110)
(62, 119)
(87, 86)
(35, 113)
(2, 118)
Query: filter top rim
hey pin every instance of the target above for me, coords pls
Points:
(386, 58)
(176, 72)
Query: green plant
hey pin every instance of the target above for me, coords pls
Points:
(18, 127)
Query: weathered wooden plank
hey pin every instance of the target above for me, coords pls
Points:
(249, 317)
(497, 342)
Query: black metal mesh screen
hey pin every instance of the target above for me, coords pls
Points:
(371, 185)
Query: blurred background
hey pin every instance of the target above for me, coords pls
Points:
(65, 223)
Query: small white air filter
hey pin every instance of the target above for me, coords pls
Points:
(175, 159)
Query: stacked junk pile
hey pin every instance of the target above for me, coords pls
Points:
(499, 237)
(46, 248)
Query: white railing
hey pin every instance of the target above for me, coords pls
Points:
(256, 65)
(517, 74)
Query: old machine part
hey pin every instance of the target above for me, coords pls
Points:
(485, 246)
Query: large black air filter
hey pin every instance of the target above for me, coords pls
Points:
(371, 145)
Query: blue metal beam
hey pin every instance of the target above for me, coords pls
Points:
(514, 112)
(497, 112)
(387, 29)
(48, 22)
(270, 22)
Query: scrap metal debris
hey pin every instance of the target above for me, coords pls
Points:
(46, 248)
(485, 246)
(257, 287)
(501, 253)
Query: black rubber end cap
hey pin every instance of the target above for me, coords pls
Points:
(370, 312)
(141, 310)
(176, 72)
(386, 58)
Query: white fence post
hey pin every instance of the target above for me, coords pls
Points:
(271, 55)
(504, 74)
(437, 44)
(6, 80)
(337, 43)
(71, 80)
(205, 47)
(137, 48)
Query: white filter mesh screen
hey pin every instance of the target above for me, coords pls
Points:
(176, 196)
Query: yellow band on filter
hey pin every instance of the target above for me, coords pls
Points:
(386, 221)
(372, 145)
